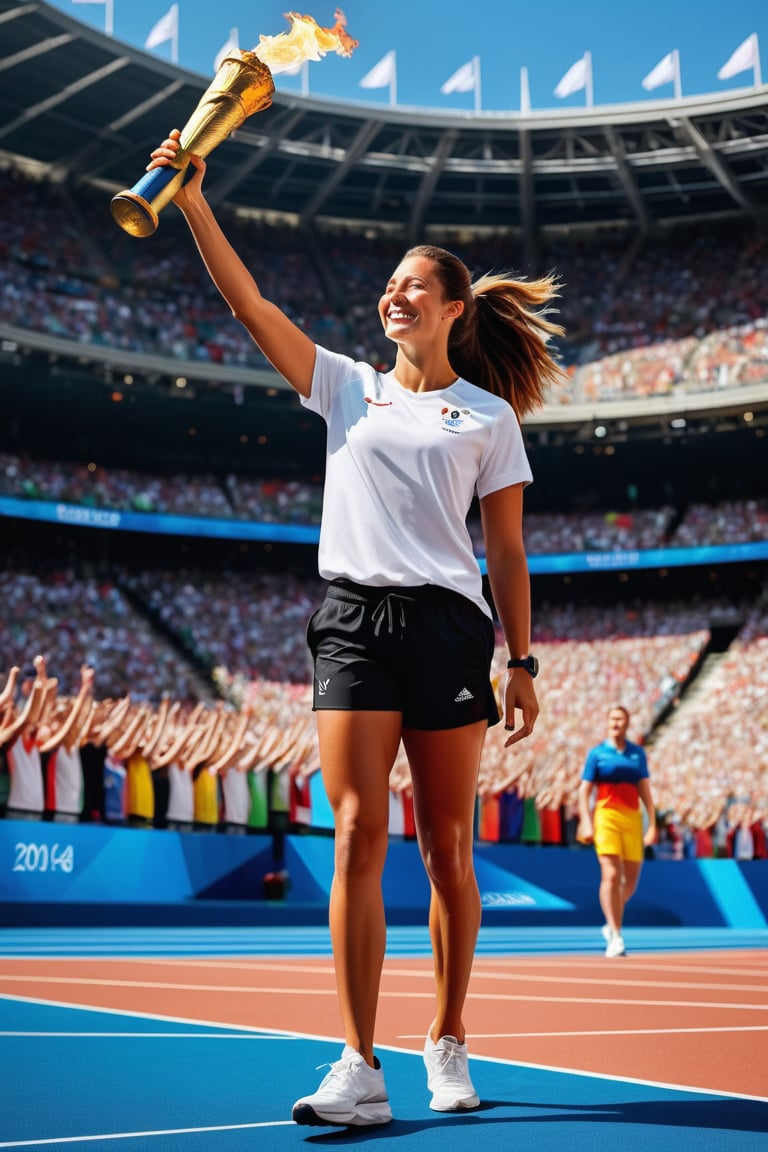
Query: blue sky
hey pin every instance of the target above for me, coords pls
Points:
(433, 38)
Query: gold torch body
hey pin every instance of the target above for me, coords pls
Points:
(242, 85)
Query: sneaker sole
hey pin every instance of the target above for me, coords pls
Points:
(465, 1105)
(364, 1114)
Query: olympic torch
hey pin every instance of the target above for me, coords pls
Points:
(242, 86)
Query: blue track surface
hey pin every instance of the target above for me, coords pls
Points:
(314, 941)
(78, 1078)
(82, 1078)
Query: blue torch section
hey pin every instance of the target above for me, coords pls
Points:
(152, 183)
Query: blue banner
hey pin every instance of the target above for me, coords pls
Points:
(164, 523)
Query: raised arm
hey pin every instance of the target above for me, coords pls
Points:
(127, 743)
(284, 344)
(230, 750)
(8, 694)
(69, 731)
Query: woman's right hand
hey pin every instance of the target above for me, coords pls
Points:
(166, 153)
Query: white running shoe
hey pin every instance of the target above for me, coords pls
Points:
(448, 1076)
(606, 932)
(351, 1093)
(615, 946)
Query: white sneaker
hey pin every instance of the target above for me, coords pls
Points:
(615, 946)
(351, 1093)
(606, 931)
(448, 1076)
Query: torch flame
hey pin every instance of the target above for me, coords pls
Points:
(306, 40)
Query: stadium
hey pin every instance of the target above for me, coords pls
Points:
(142, 424)
(160, 497)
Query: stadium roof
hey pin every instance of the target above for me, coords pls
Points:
(85, 106)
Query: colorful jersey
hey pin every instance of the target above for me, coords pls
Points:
(206, 793)
(64, 781)
(616, 773)
(25, 767)
(140, 800)
(402, 469)
(114, 790)
(258, 815)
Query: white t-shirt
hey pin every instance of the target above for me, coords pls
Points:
(26, 770)
(237, 797)
(181, 798)
(402, 468)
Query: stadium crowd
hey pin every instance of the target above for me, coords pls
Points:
(188, 693)
(245, 635)
(278, 501)
(686, 310)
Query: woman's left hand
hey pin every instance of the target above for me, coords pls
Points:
(520, 695)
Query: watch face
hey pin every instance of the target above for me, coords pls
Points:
(533, 665)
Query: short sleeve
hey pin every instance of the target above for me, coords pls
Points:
(504, 460)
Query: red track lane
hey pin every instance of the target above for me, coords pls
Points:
(694, 1019)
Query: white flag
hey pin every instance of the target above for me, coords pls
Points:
(382, 74)
(574, 80)
(463, 79)
(745, 56)
(663, 73)
(232, 45)
(166, 28)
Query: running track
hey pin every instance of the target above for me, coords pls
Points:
(673, 1037)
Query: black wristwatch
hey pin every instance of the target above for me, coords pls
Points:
(530, 663)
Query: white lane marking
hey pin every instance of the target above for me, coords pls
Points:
(142, 1135)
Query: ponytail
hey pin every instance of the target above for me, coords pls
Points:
(500, 342)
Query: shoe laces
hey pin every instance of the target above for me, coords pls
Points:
(338, 1068)
(449, 1064)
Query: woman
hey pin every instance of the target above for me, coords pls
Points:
(617, 770)
(403, 642)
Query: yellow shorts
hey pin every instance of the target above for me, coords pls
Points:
(619, 832)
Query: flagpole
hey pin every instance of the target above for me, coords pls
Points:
(393, 81)
(109, 13)
(305, 78)
(756, 65)
(476, 70)
(525, 92)
(588, 71)
(175, 41)
(676, 70)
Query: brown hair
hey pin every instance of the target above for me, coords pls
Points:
(500, 340)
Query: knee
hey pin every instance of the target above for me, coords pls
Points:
(628, 889)
(359, 848)
(448, 866)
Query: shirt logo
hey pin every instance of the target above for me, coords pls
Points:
(322, 686)
(453, 418)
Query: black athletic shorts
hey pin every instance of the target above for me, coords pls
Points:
(423, 651)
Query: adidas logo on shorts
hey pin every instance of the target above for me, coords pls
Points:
(463, 696)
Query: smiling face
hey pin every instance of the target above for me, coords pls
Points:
(413, 307)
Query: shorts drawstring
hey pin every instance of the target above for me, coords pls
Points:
(386, 607)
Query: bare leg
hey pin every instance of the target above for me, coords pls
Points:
(444, 768)
(629, 882)
(357, 750)
(611, 898)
